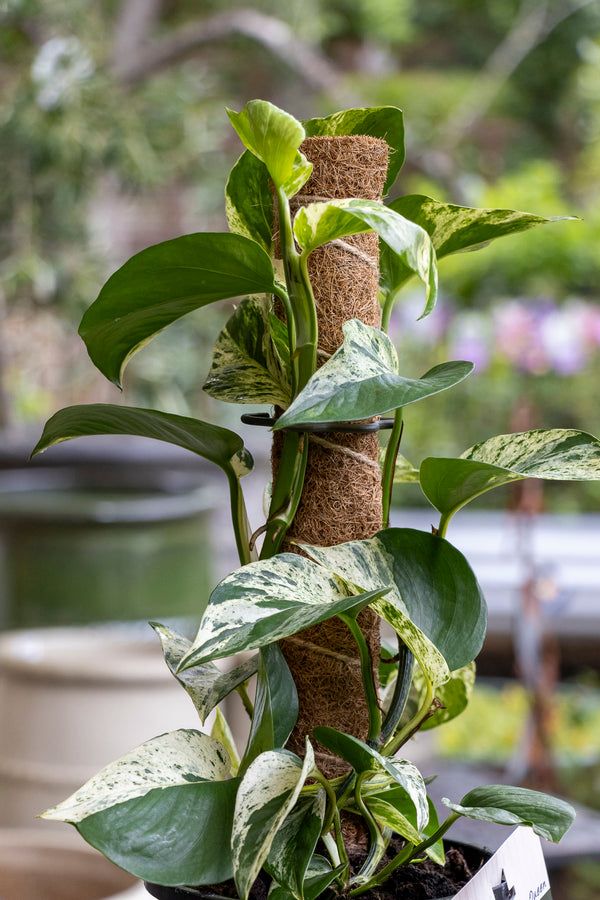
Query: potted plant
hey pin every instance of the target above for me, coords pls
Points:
(333, 805)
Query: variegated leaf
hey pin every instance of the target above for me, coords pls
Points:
(275, 705)
(180, 757)
(222, 733)
(436, 603)
(454, 695)
(361, 380)
(206, 684)
(319, 876)
(385, 122)
(549, 817)
(294, 843)
(142, 811)
(268, 792)
(363, 758)
(321, 222)
(556, 454)
(388, 816)
(274, 136)
(268, 600)
(404, 471)
(246, 367)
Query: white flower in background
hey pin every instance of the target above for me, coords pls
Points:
(60, 66)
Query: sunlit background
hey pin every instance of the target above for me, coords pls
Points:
(113, 136)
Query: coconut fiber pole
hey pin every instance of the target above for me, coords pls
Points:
(342, 497)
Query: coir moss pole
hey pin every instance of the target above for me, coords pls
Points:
(342, 498)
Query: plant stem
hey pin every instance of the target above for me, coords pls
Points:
(243, 692)
(387, 478)
(239, 518)
(443, 526)
(378, 844)
(401, 689)
(368, 677)
(331, 801)
(409, 729)
(287, 490)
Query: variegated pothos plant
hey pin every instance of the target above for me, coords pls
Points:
(189, 808)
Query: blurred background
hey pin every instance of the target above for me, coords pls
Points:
(113, 136)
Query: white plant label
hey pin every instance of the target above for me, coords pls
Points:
(517, 871)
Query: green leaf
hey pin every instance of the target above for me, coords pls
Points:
(218, 445)
(434, 589)
(275, 705)
(549, 817)
(436, 851)
(268, 600)
(222, 732)
(206, 684)
(454, 695)
(164, 282)
(273, 136)
(363, 758)
(404, 471)
(556, 454)
(321, 222)
(454, 228)
(268, 792)
(385, 122)
(246, 366)
(249, 201)
(142, 811)
(361, 380)
(319, 876)
(390, 816)
(294, 843)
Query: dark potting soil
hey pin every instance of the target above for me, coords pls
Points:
(420, 881)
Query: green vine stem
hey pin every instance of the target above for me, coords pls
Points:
(239, 518)
(401, 689)
(389, 465)
(378, 844)
(242, 690)
(366, 668)
(409, 729)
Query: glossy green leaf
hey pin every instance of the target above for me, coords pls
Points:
(389, 816)
(218, 445)
(273, 136)
(434, 588)
(222, 733)
(249, 200)
(557, 454)
(246, 365)
(268, 600)
(385, 122)
(322, 222)
(361, 380)
(436, 852)
(549, 817)
(294, 843)
(454, 696)
(164, 282)
(268, 792)
(207, 685)
(275, 705)
(142, 810)
(363, 758)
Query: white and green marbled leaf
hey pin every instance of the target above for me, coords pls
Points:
(247, 366)
(266, 795)
(362, 380)
(294, 843)
(268, 600)
(177, 758)
(554, 454)
(206, 684)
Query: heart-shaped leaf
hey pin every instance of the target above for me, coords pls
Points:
(268, 600)
(164, 282)
(274, 137)
(294, 844)
(434, 588)
(385, 122)
(549, 817)
(275, 705)
(322, 222)
(319, 876)
(361, 380)
(206, 684)
(246, 365)
(142, 811)
(556, 454)
(454, 695)
(268, 792)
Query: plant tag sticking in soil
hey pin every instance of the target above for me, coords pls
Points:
(517, 871)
